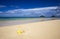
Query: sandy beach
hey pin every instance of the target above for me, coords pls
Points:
(35, 30)
(25, 21)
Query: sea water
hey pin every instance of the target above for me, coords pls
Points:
(14, 21)
(13, 18)
(18, 18)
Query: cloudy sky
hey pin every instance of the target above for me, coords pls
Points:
(28, 8)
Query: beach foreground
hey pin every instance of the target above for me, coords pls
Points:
(37, 30)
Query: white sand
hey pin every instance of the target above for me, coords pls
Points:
(37, 30)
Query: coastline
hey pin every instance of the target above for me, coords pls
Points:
(17, 22)
(36, 30)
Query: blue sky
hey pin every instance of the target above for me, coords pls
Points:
(29, 3)
(11, 5)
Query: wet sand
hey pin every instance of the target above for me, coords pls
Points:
(37, 30)
(17, 22)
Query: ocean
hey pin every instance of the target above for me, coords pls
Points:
(18, 18)
(14, 21)
(13, 18)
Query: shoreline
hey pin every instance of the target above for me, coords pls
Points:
(16, 22)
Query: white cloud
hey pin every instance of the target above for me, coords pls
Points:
(1, 6)
(30, 10)
(1, 12)
(45, 8)
(13, 11)
(46, 11)
(15, 6)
